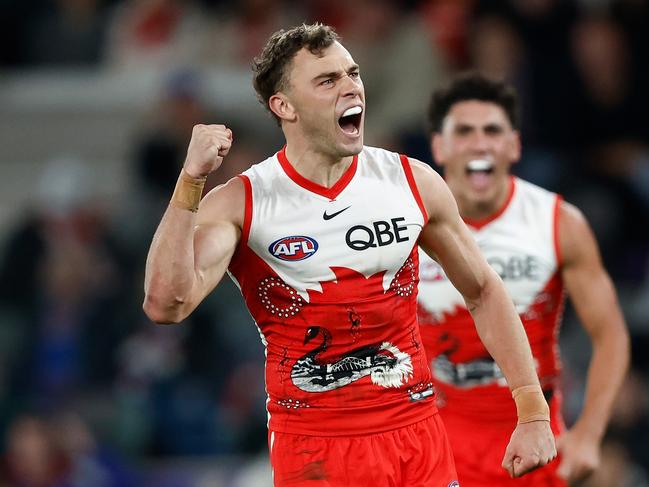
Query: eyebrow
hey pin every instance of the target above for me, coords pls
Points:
(335, 74)
(488, 126)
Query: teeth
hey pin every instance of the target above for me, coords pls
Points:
(352, 111)
(479, 165)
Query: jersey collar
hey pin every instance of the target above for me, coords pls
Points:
(316, 188)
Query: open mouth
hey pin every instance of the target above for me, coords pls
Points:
(350, 121)
(480, 166)
(479, 172)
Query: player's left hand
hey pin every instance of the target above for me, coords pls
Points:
(580, 454)
(530, 447)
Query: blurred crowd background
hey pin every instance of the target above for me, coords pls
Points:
(97, 102)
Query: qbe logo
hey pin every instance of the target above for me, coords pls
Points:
(296, 247)
(380, 234)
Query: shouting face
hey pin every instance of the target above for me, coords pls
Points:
(476, 146)
(324, 102)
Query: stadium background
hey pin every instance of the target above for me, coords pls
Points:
(97, 100)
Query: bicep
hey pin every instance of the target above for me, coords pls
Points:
(214, 246)
(217, 235)
(446, 238)
(451, 244)
(586, 281)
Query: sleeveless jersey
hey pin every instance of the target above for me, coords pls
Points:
(520, 243)
(330, 277)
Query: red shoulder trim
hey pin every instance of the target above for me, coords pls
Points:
(316, 188)
(557, 247)
(413, 185)
(478, 224)
(247, 214)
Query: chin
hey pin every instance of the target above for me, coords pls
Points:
(483, 199)
(352, 148)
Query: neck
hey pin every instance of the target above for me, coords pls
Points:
(320, 168)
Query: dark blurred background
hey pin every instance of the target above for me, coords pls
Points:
(97, 102)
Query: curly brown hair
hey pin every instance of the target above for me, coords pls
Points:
(270, 67)
(472, 86)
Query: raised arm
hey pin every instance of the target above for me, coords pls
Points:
(593, 296)
(447, 240)
(193, 244)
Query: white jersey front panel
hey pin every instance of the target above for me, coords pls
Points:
(377, 224)
(519, 245)
(330, 277)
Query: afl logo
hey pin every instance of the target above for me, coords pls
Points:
(297, 247)
(455, 483)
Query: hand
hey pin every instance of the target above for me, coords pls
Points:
(530, 447)
(207, 148)
(580, 454)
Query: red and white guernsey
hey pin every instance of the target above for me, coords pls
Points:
(330, 277)
(520, 243)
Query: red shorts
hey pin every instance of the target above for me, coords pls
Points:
(418, 455)
(479, 449)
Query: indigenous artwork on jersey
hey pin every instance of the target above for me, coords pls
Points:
(386, 365)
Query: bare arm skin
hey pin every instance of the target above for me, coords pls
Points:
(447, 240)
(593, 296)
(190, 252)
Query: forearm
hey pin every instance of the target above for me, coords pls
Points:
(502, 333)
(170, 273)
(608, 366)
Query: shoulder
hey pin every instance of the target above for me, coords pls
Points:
(424, 173)
(379, 156)
(264, 169)
(575, 235)
(572, 221)
(534, 192)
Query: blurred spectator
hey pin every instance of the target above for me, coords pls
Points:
(160, 149)
(66, 33)
(159, 153)
(92, 464)
(240, 29)
(240, 400)
(448, 26)
(496, 49)
(60, 453)
(611, 138)
(155, 34)
(610, 105)
(630, 419)
(616, 469)
(62, 274)
(544, 28)
(33, 457)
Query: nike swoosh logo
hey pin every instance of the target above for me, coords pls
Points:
(325, 216)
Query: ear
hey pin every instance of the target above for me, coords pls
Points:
(436, 148)
(280, 105)
(515, 147)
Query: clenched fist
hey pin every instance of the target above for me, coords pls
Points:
(207, 148)
(530, 447)
(580, 453)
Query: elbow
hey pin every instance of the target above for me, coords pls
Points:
(625, 346)
(613, 340)
(161, 312)
(481, 292)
